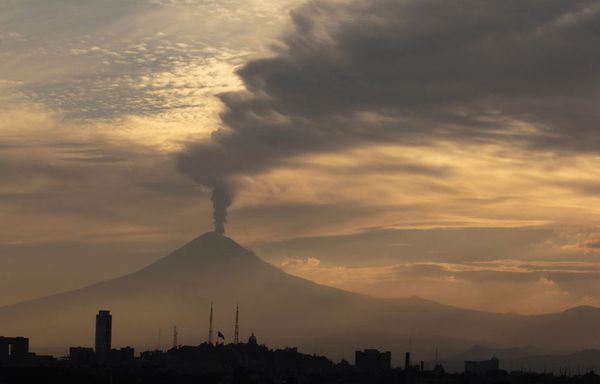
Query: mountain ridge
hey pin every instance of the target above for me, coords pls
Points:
(212, 236)
(283, 309)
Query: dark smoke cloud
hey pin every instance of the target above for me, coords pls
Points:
(516, 72)
(222, 197)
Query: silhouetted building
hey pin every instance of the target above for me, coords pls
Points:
(13, 350)
(103, 335)
(482, 367)
(407, 369)
(81, 355)
(438, 369)
(252, 339)
(123, 355)
(372, 360)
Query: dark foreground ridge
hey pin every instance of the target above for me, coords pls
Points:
(243, 362)
(250, 362)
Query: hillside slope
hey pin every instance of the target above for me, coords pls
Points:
(280, 308)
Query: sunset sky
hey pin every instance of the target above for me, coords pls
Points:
(449, 150)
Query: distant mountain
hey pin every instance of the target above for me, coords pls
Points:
(478, 352)
(529, 359)
(281, 309)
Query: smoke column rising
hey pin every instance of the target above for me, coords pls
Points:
(318, 95)
(222, 197)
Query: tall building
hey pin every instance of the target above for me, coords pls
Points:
(372, 360)
(103, 335)
(13, 350)
(407, 371)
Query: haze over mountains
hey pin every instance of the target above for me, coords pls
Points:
(281, 309)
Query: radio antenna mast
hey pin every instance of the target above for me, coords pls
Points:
(175, 343)
(236, 334)
(210, 325)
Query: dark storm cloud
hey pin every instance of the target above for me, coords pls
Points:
(354, 73)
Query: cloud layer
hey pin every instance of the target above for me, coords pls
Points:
(361, 116)
(505, 269)
(355, 73)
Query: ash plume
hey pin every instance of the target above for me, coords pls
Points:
(221, 197)
(358, 73)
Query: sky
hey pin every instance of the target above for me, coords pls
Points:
(447, 150)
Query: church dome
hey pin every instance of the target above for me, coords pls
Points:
(252, 339)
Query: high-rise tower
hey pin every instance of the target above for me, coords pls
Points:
(103, 335)
(236, 333)
(210, 325)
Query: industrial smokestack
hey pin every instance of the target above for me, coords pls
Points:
(222, 197)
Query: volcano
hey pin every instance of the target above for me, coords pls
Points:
(281, 309)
